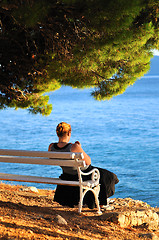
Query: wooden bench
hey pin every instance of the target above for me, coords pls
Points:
(55, 159)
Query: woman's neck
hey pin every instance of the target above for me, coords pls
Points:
(62, 143)
(63, 140)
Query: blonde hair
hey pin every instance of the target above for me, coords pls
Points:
(63, 128)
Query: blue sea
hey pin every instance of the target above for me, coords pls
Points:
(121, 135)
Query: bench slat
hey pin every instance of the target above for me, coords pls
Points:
(35, 179)
(46, 180)
(43, 161)
(46, 154)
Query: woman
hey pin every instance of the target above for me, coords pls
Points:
(68, 195)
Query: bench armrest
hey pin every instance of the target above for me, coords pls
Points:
(95, 174)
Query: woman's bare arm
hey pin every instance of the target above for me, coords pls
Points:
(76, 147)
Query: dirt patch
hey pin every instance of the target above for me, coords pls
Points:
(31, 215)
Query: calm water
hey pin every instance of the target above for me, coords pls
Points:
(121, 135)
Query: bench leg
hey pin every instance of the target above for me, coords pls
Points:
(83, 191)
(96, 194)
(81, 199)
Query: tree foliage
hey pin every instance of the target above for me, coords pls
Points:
(105, 44)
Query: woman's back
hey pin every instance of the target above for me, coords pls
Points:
(67, 148)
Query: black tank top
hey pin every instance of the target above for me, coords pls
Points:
(66, 148)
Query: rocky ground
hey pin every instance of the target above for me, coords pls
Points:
(27, 213)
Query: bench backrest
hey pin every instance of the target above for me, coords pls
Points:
(42, 158)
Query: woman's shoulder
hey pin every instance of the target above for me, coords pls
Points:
(76, 146)
(50, 146)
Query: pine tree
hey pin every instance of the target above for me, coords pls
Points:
(105, 44)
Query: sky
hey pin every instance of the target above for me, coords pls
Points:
(156, 52)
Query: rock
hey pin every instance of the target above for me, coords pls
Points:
(28, 189)
(34, 189)
(60, 220)
(133, 218)
(148, 236)
(110, 216)
(30, 231)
